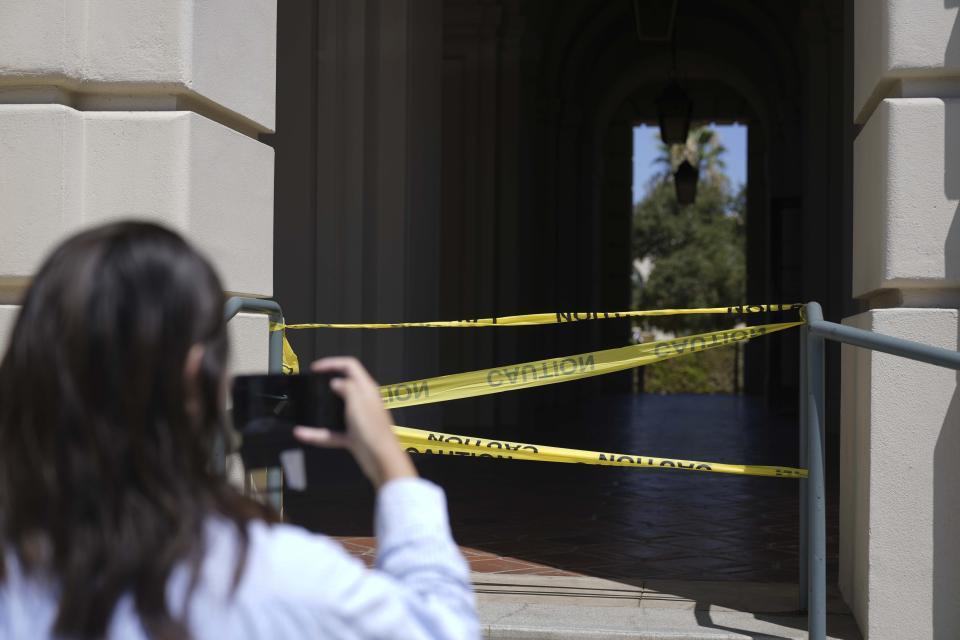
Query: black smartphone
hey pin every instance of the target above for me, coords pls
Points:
(266, 408)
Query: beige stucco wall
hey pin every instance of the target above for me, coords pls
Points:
(61, 169)
(900, 433)
(219, 54)
(151, 110)
(247, 331)
(907, 186)
(899, 502)
(903, 48)
(8, 315)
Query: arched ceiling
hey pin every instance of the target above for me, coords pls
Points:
(737, 59)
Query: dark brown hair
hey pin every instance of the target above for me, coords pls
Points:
(105, 474)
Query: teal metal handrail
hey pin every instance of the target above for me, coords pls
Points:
(813, 530)
(273, 311)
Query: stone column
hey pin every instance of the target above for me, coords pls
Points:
(900, 440)
(358, 198)
(471, 226)
(132, 108)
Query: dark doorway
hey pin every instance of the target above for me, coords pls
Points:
(443, 159)
(689, 250)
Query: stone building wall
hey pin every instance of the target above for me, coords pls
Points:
(117, 108)
(900, 440)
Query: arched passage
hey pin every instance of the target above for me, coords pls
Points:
(487, 172)
(605, 81)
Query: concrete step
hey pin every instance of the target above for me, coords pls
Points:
(525, 607)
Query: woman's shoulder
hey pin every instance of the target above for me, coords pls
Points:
(281, 561)
(288, 548)
(290, 580)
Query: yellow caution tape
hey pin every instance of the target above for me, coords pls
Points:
(563, 369)
(552, 371)
(433, 442)
(557, 317)
(291, 363)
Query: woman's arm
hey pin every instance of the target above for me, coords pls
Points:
(421, 585)
(415, 547)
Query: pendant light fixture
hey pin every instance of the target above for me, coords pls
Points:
(674, 107)
(685, 180)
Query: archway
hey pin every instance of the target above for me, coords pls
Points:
(530, 170)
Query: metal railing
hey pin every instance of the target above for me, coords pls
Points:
(813, 334)
(813, 533)
(235, 305)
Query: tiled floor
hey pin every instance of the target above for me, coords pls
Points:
(480, 561)
(625, 524)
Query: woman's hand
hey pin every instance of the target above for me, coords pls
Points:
(369, 435)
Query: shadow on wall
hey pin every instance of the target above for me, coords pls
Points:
(951, 146)
(946, 472)
(946, 522)
(951, 165)
(951, 247)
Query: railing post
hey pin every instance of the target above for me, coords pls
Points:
(816, 494)
(817, 332)
(803, 581)
(234, 306)
(275, 351)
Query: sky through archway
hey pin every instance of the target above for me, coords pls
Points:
(646, 145)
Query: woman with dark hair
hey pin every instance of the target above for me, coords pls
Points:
(112, 393)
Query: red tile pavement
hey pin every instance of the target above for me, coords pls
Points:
(479, 561)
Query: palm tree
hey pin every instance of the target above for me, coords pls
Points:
(703, 150)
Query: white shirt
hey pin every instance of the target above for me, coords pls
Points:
(301, 585)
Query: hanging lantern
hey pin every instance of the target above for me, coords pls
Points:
(674, 109)
(685, 181)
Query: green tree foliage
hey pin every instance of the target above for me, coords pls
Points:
(697, 251)
(705, 372)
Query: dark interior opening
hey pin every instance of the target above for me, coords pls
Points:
(467, 158)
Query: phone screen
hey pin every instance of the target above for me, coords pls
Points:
(267, 407)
